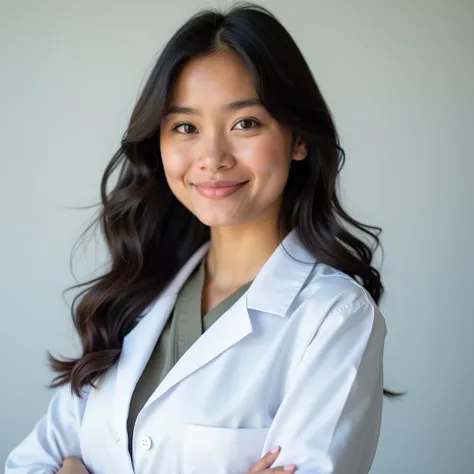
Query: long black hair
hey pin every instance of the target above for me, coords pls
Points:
(150, 234)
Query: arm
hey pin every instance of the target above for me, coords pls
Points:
(329, 420)
(55, 437)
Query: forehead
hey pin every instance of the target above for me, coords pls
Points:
(218, 77)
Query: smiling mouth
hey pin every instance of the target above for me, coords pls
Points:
(219, 189)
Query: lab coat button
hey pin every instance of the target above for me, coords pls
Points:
(117, 437)
(146, 443)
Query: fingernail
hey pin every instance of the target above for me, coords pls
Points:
(274, 450)
(289, 467)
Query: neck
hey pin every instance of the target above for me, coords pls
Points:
(238, 253)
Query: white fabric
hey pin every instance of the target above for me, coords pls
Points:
(296, 362)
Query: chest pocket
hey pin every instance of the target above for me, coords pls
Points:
(221, 450)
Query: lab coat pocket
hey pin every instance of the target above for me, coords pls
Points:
(209, 450)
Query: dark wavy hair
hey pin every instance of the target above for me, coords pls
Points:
(150, 234)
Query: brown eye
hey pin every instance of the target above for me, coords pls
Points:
(185, 128)
(246, 124)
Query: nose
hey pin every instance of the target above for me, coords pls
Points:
(215, 153)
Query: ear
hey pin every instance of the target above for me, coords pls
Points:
(300, 149)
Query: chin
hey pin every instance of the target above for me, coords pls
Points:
(219, 221)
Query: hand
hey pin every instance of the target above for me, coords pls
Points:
(72, 465)
(262, 466)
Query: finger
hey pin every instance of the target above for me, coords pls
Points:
(266, 461)
(288, 469)
(75, 465)
(72, 461)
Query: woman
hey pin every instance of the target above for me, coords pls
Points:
(238, 313)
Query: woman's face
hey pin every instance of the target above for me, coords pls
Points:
(224, 156)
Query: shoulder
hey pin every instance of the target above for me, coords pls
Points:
(66, 402)
(330, 297)
(328, 284)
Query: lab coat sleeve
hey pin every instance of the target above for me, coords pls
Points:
(55, 437)
(329, 420)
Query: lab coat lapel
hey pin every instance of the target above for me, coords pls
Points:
(139, 343)
(273, 291)
(281, 278)
(227, 331)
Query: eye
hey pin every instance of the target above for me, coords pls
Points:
(185, 128)
(247, 124)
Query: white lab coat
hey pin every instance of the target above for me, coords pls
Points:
(296, 362)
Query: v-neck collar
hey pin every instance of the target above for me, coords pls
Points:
(189, 304)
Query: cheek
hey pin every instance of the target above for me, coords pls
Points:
(174, 161)
(267, 157)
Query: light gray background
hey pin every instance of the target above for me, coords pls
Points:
(399, 79)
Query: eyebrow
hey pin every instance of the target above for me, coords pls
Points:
(233, 106)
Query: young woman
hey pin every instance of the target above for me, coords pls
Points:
(238, 313)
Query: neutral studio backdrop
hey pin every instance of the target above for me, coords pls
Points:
(398, 77)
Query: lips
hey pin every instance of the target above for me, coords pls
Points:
(219, 189)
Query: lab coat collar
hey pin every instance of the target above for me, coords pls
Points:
(286, 270)
(273, 291)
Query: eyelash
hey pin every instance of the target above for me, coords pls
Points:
(255, 124)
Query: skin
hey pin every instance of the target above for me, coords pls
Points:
(72, 465)
(218, 130)
(206, 138)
